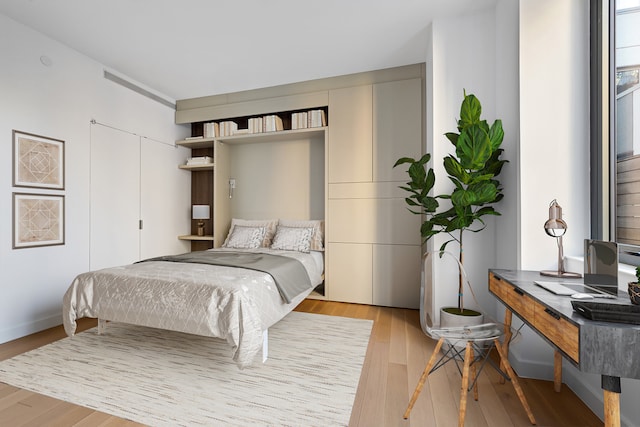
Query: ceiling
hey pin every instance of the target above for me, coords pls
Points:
(191, 48)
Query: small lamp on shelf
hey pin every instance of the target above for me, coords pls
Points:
(556, 227)
(200, 212)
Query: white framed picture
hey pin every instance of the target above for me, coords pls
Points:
(38, 161)
(38, 220)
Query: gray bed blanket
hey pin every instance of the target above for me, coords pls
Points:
(289, 274)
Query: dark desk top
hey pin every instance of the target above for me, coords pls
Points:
(606, 348)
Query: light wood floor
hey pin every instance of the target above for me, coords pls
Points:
(396, 356)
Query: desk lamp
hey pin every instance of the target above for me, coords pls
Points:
(556, 227)
(200, 212)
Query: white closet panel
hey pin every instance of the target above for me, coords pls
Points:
(350, 150)
(396, 281)
(397, 114)
(115, 197)
(165, 202)
(381, 221)
(351, 280)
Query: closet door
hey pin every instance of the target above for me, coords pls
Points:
(115, 198)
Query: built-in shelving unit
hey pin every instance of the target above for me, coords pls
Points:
(339, 168)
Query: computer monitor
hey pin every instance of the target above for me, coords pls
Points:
(601, 265)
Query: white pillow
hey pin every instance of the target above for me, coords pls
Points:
(245, 237)
(293, 239)
(318, 230)
(269, 224)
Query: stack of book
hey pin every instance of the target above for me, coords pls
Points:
(308, 119)
(204, 160)
(272, 123)
(299, 120)
(255, 125)
(228, 128)
(317, 118)
(211, 130)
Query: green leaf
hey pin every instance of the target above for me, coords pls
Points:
(470, 111)
(463, 198)
(496, 134)
(403, 160)
(484, 192)
(474, 148)
(454, 168)
(452, 137)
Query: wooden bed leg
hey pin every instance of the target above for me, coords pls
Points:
(265, 345)
(102, 326)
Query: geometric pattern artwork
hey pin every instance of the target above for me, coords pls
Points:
(38, 161)
(38, 220)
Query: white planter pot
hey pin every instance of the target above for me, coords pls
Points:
(453, 320)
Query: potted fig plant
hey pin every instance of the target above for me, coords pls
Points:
(634, 288)
(473, 171)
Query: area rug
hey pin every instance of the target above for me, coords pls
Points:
(163, 378)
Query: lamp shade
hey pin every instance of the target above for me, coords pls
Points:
(555, 225)
(200, 212)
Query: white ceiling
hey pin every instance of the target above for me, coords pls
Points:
(190, 48)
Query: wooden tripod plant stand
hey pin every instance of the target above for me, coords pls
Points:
(483, 338)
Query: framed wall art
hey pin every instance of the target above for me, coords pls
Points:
(38, 161)
(38, 220)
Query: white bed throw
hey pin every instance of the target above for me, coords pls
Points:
(235, 304)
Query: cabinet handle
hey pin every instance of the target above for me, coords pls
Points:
(552, 313)
(518, 291)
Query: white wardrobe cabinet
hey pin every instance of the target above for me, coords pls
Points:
(373, 241)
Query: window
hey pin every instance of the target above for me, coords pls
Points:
(615, 124)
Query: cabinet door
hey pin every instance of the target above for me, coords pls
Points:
(397, 127)
(396, 275)
(348, 272)
(350, 151)
(115, 198)
(383, 221)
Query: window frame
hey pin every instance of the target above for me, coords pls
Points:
(602, 39)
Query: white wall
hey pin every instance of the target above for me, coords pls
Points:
(554, 164)
(529, 65)
(278, 179)
(57, 101)
(456, 65)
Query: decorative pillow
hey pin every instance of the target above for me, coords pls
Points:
(292, 239)
(269, 224)
(244, 237)
(318, 230)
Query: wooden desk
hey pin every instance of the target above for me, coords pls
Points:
(603, 348)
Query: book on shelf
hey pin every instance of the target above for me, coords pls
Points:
(204, 160)
(255, 125)
(317, 118)
(210, 130)
(272, 123)
(299, 120)
(240, 131)
(190, 138)
(227, 128)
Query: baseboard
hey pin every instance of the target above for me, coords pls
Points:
(28, 328)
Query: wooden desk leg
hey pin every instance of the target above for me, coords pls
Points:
(611, 387)
(508, 315)
(557, 371)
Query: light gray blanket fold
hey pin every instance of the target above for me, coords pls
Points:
(289, 274)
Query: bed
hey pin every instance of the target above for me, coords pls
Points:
(224, 301)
